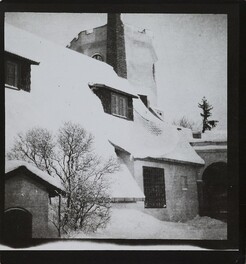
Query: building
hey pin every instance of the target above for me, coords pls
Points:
(127, 49)
(212, 179)
(158, 165)
(28, 192)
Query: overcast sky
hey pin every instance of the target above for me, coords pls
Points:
(191, 50)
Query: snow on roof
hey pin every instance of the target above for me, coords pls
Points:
(123, 185)
(60, 93)
(11, 165)
(149, 137)
(210, 147)
(212, 136)
(119, 84)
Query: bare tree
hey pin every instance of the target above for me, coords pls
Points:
(69, 155)
(184, 122)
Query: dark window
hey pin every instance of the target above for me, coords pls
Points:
(154, 187)
(153, 71)
(97, 57)
(12, 73)
(119, 105)
(184, 183)
(18, 72)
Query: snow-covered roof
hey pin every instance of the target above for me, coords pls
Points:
(117, 84)
(60, 93)
(11, 165)
(210, 147)
(149, 137)
(213, 135)
(23, 58)
(124, 187)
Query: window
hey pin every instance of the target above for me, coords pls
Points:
(18, 72)
(11, 73)
(184, 183)
(97, 57)
(119, 105)
(153, 71)
(154, 187)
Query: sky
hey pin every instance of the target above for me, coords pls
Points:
(191, 51)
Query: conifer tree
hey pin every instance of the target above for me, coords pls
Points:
(206, 113)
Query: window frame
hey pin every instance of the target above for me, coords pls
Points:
(115, 106)
(152, 187)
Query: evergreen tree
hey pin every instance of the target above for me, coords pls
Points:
(206, 113)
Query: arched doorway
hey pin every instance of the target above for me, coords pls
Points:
(215, 185)
(17, 225)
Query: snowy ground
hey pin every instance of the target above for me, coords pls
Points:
(133, 224)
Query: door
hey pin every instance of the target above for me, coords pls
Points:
(17, 226)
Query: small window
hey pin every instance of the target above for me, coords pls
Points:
(184, 183)
(154, 187)
(18, 72)
(119, 105)
(153, 71)
(12, 74)
(97, 57)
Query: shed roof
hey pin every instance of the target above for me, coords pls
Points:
(53, 182)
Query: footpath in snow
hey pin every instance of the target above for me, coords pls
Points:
(133, 224)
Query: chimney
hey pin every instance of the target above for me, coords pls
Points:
(116, 55)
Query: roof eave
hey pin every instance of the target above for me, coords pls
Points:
(22, 58)
(161, 159)
(103, 86)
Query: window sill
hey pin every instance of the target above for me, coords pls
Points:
(155, 207)
(11, 87)
(123, 117)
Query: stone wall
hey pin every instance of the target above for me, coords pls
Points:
(211, 156)
(181, 203)
(24, 192)
(91, 42)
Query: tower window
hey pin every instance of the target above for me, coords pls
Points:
(119, 105)
(97, 57)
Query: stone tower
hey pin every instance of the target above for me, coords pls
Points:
(127, 49)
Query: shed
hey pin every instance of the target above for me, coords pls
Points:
(27, 194)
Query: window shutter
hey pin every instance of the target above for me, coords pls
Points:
(25, 77)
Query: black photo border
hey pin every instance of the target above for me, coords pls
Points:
(221, 251)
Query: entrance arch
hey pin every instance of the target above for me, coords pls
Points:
(215, 185)
(17, 225)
